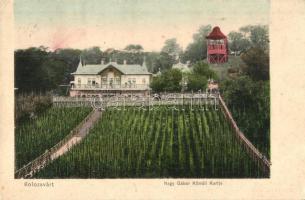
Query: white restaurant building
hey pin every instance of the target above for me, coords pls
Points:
(110, 78)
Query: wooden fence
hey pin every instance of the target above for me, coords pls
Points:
(40, 162)
(260, 159)
(145, 101)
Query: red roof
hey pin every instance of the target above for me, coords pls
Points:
(216, 34)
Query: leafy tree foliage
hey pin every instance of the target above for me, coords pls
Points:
(121, 56)
(151, 58)
(248, 96)
(168, 81)
(257, 64)
(133, 47)
(163, 62)
(258, 36)
(35, 70)
(238, 42)
(172, 48)
(249, 102)
(197, 50)
(158, 84)
(29, 106)
(92, 55)
(196, 82)
(171, 80)
(71, 59)
(54, 72)
(203, 69)
(247, 37)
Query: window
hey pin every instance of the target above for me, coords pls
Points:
(134, 82)
(117, 80)
(104, 80)
(111, 82)
(129, 82)
(89, 81)
(93, 81)
(79, 81)
(143, 80)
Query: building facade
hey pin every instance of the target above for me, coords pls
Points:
(110, 79)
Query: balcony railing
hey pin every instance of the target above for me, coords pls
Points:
(217, 49)
(110, 87)
(216, 46)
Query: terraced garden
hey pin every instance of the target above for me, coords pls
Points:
(157, 143)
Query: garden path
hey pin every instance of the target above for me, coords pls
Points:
(83, 131)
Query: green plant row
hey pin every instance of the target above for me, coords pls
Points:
(35, 136)
(157, 143)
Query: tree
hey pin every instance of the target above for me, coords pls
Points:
(163, 62)
(257, 64)
(157, 84)
(151, 58)
(203, 69)
(121, 56)
(172, 48)
(37, 70)
(196, 82)
(168, 81)
(197, 50)
(54, 73)
(258, 36)
(172, 78)
(134, 47)
(92, 55)
(249, 102)
(29, 75)
(238, 42)
(71, 59)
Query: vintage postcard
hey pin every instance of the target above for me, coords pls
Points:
(128, 99)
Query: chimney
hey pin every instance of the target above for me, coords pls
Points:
(125, 62)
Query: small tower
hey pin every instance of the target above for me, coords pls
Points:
(80, 64)
(217, 47)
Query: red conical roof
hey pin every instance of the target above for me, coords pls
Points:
(216, 34)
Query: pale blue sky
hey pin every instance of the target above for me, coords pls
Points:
(116, 23)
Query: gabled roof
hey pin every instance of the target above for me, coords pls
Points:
(216, 34)
(124, 68)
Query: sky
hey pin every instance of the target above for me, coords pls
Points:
(117, 23)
